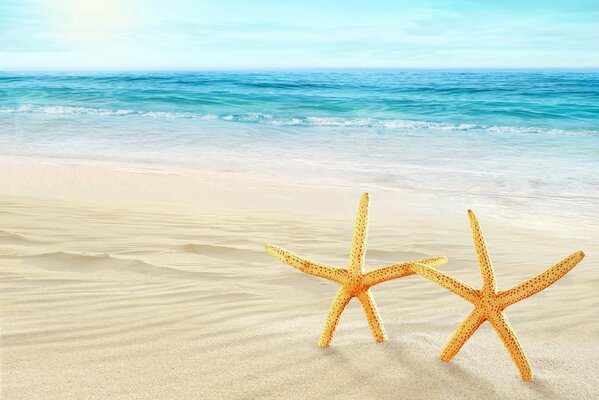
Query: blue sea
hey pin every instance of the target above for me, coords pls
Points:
(515, 136)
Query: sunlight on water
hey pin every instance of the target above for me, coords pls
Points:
(520, 138)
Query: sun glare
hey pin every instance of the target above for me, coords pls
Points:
(91, 20)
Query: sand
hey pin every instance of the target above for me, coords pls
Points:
(126, 281)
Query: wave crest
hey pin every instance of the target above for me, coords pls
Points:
(261, 118)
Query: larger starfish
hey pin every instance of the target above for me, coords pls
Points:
(489, 303)
(354, 282)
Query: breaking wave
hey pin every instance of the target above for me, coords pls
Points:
(261, 118)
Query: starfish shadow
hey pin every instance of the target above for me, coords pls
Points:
(543, 388)
(420, 365)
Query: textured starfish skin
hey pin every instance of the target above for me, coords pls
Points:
(489, 303)
(354, 282)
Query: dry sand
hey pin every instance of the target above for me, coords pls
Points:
(124, 282)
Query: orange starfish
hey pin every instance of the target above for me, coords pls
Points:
(489, 303)
(354, 282)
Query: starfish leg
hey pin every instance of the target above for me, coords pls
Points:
(317, 269)
(511, 343)
(458, 287)
(540, 281)
(462, 334)
(484, 262)
(372, 314)
(341, 300)
(358, 249)
(399, 270)
(433, 262)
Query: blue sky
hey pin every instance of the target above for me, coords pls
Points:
(225, 34)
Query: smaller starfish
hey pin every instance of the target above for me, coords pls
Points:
(489, 303)
(354, 282)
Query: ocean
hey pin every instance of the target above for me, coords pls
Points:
(527, 138)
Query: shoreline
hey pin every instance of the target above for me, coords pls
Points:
(164, 186)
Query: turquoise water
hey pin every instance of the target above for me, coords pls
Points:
(498, 101)
(515, 136)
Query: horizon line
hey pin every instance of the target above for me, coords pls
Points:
(300, 69)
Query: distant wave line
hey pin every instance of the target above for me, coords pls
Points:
(254, 117)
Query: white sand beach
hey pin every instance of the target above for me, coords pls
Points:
(129, 281)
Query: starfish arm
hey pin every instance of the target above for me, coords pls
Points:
(484, 262)
(372, 314)
(462, 334)
(317, 269)
(448, 282)
(511, 343)
(341, 300)
(399, 270)
(540, 281)
(358, 249)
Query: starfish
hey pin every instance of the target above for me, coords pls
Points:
(489, 303)
(354, 282)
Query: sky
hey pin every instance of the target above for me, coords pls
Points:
(288, 34)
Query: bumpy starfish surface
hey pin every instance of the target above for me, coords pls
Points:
(354, 282)
(489, 303)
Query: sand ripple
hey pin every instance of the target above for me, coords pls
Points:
(149, 305)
